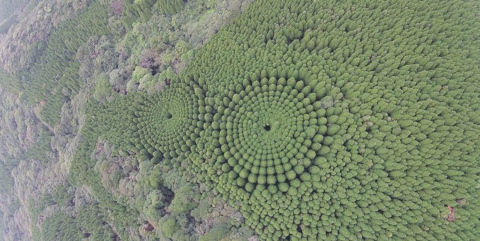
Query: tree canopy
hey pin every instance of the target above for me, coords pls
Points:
(326, 120)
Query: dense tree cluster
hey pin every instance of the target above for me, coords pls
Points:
(115, 124)
(56, 86)
(162, 125)
(53, 79)
(270, 134)
(143, 9)
(90, 223)
(9, 83)
(328, 121)
(61, 227)
(133, 10)
(169, 122)
(169, 7)
(345, 121)
(28, 26)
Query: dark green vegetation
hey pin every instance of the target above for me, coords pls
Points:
(9, 83)
(168, 203)
(88, 222)
(314, 120)
(83, 167)
(169, 6)
(61, 179)
(54, 78)
(142, 10)
(328, 121)
(168, 123)
(345, 122)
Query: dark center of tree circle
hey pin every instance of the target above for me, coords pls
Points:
(267, 127)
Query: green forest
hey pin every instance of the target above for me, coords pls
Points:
(239, 120)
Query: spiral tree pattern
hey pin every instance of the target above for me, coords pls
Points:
(324, 120)
(168, 122)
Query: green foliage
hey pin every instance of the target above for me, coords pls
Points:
(90, 222)
(60, 226)
(139, 76)
(41, 148)
(184, 200)
(182, 236)
(168, 122)
(155, 178)
(139, 73)
(62, 195)
(83, 172)
(9, 83)
(36, 206)
(169, 226)
(217, 233)
(202, 210)
(169, 7)
(311, 113)
(136, 10)
(320, 120)
(54, 78)
(102, 89)
(141, 10)
(154, 205)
